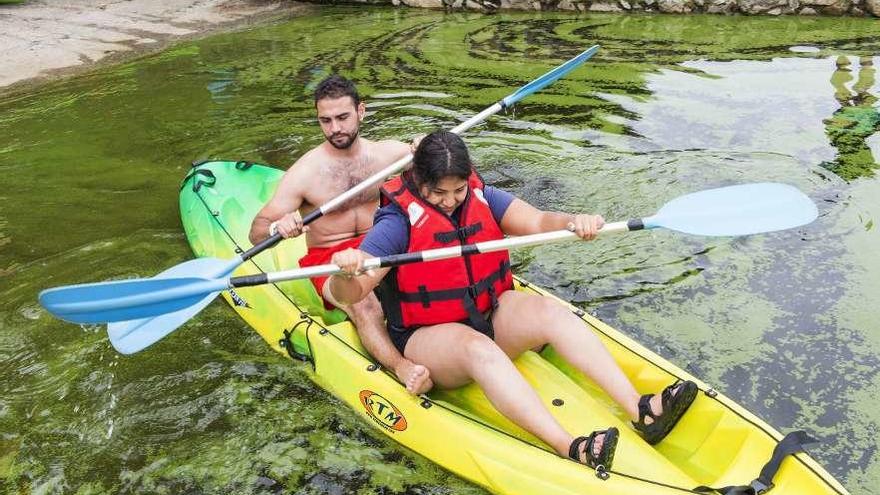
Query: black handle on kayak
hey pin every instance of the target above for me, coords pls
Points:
(275, 239)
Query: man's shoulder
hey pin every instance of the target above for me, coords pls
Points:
(388, 147)
(387, 142)
(308, 163)
(312, 157)
(303, 171)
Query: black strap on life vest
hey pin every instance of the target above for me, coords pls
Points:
(425, 296)
(461, 233)
(468, 295)
(791, 444)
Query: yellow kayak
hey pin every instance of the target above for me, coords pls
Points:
(716, 444)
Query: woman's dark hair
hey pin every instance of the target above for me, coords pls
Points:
(441, 154)
(336, 86)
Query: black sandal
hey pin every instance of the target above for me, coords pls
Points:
(606, 453)
(674, 407)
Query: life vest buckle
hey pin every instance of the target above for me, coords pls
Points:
(472, 292)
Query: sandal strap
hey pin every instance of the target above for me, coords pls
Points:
(590, 457)
(574, 448)
(667, 395)
(645, 407)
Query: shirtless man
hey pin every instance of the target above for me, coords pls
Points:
(342, 161)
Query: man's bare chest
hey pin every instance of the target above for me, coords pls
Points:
(339, 176)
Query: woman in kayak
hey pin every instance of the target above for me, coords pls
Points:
(459, 317)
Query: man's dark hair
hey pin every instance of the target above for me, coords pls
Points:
(336, 86)
(441, 154)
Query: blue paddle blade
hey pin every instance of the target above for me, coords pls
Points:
(132, 336)
(550, 76)
(126, 299)
(736, 210)
(118, 301)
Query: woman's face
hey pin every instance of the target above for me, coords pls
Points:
(447, 194)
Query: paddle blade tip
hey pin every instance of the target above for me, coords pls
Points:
(129, 337)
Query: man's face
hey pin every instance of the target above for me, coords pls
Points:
(340, 120)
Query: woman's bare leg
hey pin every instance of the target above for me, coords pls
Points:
(456, 354)
(524, 321)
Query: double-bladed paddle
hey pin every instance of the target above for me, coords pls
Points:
(167, 321)
(728, 211)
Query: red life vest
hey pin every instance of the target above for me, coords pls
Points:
(450, 290)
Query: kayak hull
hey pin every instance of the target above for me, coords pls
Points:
(717, 443)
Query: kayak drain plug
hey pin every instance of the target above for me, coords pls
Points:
(558, 402)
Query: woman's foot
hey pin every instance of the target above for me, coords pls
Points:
(595, 450)
(659, 413)
(414, 377)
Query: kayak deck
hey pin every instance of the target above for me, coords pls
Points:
(717, 443)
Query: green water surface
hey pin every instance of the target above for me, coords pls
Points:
(783, 323)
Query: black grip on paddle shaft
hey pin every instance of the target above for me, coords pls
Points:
(312, 216)
(407, 258)
(275, 239)
(470, 249)
(261, 246)
(399, 259)
(249, 280)
(635, 224)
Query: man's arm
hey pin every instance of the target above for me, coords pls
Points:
(284, 204)
(393, 150)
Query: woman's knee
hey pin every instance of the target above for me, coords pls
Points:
(553, 317)
(480, 350)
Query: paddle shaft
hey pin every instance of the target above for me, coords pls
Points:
(429, 255)
(197, 287)
(400, 164)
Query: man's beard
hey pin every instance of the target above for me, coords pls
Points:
(343, 145)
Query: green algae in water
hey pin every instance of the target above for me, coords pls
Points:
(93, 165)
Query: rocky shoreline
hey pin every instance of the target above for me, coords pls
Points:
(46, 39)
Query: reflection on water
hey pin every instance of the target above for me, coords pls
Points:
(670, 105)
(857, 119)
(773, 106)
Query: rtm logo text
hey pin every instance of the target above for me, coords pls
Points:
(382, 411)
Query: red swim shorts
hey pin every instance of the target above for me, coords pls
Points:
(321, 256)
